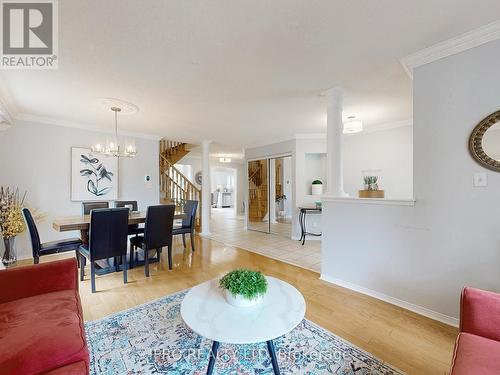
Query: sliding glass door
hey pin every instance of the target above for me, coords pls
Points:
(270, 195)
(280, 196)
(258, 195)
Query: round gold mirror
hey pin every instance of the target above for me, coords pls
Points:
(484, 142)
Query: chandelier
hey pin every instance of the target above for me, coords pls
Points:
(112, 146)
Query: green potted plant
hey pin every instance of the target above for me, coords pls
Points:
(317, 187)
(243, 287)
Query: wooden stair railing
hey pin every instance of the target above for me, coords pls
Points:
(175, 187)
(255, 175)
(173, 151)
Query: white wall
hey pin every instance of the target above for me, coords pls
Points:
(425, 254)
(304, 175)
(389, 150)
(37, 158)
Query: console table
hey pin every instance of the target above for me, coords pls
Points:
(304, 211)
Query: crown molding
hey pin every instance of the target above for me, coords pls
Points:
(366, 129)
(5, 117)
(385, 126)
(471, 39)
(68, 124)
(8, 107)
(310, 136)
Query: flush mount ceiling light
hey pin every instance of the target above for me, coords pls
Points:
(352, 125)
(112, 145)
(225, 160)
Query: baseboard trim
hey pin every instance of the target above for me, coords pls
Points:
(394, 301)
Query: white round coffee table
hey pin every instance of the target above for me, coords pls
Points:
(205, 310)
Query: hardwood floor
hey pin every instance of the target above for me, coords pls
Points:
(410, 342)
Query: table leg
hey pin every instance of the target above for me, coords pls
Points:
(213, 357)
(304, 228)
(301, 226)
(84, 236)
(272, 353)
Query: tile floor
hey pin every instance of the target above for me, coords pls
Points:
(280, 229)
(228, 229)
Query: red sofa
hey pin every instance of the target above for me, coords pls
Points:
(477, 349)
(41, 320)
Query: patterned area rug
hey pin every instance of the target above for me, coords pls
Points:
(153, 339)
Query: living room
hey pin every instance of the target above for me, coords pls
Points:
(120, 121)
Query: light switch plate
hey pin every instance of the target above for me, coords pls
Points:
(480, 179)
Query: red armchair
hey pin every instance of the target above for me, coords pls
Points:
(477, 349)
(41, 320)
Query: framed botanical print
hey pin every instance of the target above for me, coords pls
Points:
(93, 177)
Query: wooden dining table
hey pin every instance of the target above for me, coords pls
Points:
(82, 223)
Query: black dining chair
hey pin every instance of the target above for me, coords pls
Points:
(133, 229)
(108, 235)
(46, 248)
(89, 206)
(187, 223)
(157, 234)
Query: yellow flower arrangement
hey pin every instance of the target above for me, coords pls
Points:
(11, 216)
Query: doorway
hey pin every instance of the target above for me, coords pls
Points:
(223, 189)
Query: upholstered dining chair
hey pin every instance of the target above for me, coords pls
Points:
(108, 235)
(157, 234)
(187, 223)
(53, 247)
(89, 206)
(133, 229)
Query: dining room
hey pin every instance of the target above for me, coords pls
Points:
(75, 198)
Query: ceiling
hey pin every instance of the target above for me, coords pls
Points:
(235, 71)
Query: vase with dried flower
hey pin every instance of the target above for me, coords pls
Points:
(11, 221)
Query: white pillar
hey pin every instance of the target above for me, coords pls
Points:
(205, 188)
(334, 130)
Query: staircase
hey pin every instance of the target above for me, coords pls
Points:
(175, 188)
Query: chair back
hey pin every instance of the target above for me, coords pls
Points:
(89, 206)
(159, 226)
(108, 233)
(34, 236)
(127, 203)
(190, 211)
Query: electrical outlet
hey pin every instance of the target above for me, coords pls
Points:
(480, 179)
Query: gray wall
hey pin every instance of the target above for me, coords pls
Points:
(424, 255)
(37, 158)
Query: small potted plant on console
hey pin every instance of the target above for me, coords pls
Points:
(317, 187)
(243, 287)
